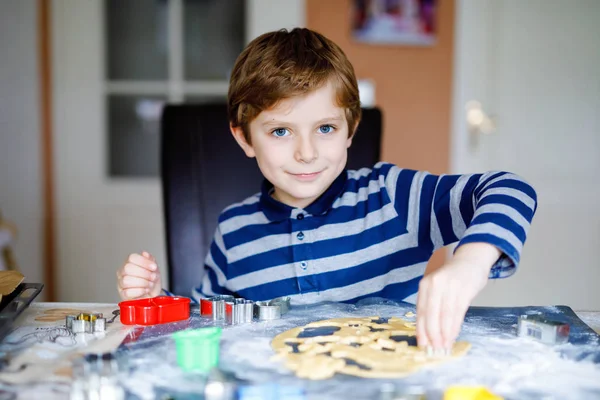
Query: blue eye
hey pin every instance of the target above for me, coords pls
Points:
(280, 132)
(326, 129)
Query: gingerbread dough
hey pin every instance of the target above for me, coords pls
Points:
(369, 347)
(56, 314)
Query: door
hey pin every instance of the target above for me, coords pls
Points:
(533, 66)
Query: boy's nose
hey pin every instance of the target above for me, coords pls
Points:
(306, 151)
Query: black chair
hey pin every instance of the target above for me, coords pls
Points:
(203, 170)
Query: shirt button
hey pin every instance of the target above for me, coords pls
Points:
(303, 264)
(300, 235)
(300, 216)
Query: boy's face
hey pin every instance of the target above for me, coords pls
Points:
(300, 145)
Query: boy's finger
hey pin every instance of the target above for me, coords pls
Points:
(421, 311)
(129, 282)
(149, 256)
(142, 261)
(130, 269)
(448, 317)
(432, 317)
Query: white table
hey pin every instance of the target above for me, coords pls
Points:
(49, 349)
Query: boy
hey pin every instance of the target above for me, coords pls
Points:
(318, 232)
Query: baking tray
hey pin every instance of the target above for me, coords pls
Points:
(12, 305)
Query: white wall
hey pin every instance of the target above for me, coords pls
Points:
(20, 165)
(270, 15)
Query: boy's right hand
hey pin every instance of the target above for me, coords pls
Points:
(139, 277)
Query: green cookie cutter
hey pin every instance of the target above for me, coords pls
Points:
(198, 349)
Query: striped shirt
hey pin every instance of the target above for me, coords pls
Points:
(370, 234)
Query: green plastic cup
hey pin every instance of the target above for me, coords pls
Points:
(198, 349)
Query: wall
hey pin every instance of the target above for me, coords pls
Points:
(20, 171)
(413, 86)
(270, 15)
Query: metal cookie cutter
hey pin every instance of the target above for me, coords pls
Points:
(542, 329)
(239, 311)
(272, 309)
(214, 307)
(86, 323)
(95, 377)
(390, 391)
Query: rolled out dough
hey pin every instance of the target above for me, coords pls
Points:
(56, 314)
(369, 347)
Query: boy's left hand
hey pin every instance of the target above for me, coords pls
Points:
(446, 294)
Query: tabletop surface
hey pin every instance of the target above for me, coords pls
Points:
(38, 354)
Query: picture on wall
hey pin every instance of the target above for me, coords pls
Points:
(396, 22)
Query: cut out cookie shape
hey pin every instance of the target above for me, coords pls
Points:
(370, 347)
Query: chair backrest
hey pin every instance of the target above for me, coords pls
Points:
(203, 170)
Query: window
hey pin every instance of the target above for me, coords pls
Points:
(160, 51)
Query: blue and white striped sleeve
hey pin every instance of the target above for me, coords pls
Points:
(495, 208)
(215, 270)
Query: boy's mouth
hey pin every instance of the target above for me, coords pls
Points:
(306, 177)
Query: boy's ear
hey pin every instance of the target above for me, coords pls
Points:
(240, 138)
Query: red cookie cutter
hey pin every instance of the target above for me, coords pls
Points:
(157, 310)
(210, 306)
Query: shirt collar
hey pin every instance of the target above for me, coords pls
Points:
(277, 211)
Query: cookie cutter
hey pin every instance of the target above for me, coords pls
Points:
(214, 307)
(543, 329)
(86, 323)
(221, 386)
(95, 377)
(271, 309)
(459, 392)
(198, 349)
(239, 311)
(153, 311)
(390, 391)
(283, 302)
(96, 363)
(263, 311)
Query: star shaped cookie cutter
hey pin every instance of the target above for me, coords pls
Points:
(86, 323)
